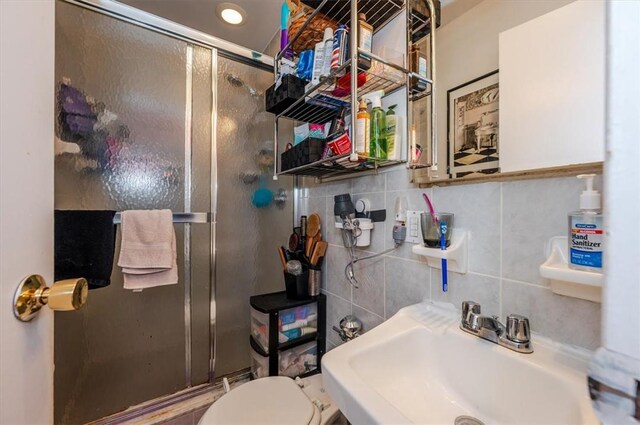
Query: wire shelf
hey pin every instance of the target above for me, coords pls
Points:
(305, 112)
(378, 12)
(419, 95)
(381, 76)
(421, 23)
(341, 164)
(324, 100)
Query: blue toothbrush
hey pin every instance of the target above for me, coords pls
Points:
(443, 246)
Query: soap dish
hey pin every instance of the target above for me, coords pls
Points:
(566, 281)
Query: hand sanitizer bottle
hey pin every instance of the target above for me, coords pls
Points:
(586, 233)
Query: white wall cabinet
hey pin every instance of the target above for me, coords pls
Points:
(552, 89)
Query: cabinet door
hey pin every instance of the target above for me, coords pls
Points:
(552, 89)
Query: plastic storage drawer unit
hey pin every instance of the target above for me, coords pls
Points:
(293, 323)
(287, 336)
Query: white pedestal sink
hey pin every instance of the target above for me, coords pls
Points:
(419, 368)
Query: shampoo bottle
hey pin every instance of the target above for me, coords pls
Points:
(378, 132)
(362, 129)
(586, 233)
(394, 133)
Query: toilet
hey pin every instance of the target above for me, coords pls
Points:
(275, 400)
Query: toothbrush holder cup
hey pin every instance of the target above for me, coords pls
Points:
(431, 229)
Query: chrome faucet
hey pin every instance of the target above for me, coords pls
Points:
(516, 335)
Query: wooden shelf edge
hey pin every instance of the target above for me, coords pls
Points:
(421, 178)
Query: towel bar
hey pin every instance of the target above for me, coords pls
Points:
(181, 217)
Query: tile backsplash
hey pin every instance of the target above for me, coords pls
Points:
(509, 223)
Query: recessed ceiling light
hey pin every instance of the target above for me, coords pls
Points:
(231, 13)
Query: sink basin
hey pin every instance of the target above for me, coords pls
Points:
(419, 368)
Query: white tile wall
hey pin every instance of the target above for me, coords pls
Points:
(509, 223)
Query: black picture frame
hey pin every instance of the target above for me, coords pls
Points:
(473, 149)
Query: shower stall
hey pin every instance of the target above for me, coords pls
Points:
(165, 118)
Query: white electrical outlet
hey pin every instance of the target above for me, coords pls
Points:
(414, 234)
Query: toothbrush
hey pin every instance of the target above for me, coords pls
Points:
(443, 239)
(443, 247)
(431, 210)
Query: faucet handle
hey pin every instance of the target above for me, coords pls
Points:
(518, 329)
(469, 308)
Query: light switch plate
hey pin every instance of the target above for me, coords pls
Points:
(414, 234)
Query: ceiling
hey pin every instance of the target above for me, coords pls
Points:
(261, 25)
(263, 17)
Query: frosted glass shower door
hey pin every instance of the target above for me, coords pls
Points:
(138, 136)
(246, 237)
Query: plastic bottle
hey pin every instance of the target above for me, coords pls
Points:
(378, 132)
(365, 41)
(362, 129)
(417, 65)
(340, 50)
(328, 51)
(284, 30)
(394, 133)
(318, 62)
(586, 232)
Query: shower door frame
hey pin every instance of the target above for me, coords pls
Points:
(236, 53)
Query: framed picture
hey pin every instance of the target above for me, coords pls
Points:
(472, 127)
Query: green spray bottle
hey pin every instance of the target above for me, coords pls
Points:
(378, 120)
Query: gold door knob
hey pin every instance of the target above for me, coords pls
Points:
(33, 293)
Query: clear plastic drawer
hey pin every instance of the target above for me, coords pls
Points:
(292, 362)
(293, 323)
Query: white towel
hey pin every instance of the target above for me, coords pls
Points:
(148, 249)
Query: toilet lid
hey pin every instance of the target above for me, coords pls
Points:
(274, 400)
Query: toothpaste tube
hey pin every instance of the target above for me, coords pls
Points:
(292, 333)
(300, 323)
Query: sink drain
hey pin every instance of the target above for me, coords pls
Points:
(467, 420)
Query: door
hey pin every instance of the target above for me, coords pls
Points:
(149, 148)
(246, 236)
(26, 205)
